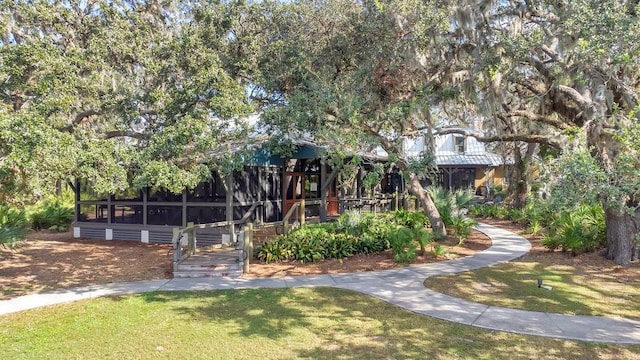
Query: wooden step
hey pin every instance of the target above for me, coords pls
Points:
(207, 267)
(211, 262)
(207, 274)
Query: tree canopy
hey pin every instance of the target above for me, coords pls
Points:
(117, 92)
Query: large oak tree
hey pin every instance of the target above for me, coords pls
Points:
(116, 92)
(569, 74)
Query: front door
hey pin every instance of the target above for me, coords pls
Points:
(333, 202)
(293, 187)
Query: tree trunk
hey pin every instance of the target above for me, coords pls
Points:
(622, 229)
(428, 206)
(520, 184)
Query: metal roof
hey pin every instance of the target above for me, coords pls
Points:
(484, 159)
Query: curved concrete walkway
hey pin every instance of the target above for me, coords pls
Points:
(402, 287)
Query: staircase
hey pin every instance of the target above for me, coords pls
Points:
(211, 262)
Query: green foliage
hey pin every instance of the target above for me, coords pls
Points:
(309, 243)
(114, 96)
(451, 205)
(536, 214)
(462, 227)
(54, 214)
(353, 233)
(410, 219)
(355, 222)
(14, 225)
(438, 250)
(443, 202)
(579, 230)
(373, 243)
(274, 251)
(414, 221)
(403, 246)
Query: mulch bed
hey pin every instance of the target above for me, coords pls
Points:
(48, 261)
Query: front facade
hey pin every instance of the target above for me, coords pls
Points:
(464, 163)
(263, 192)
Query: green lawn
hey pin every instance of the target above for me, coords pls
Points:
(514, 285)
(319, 323)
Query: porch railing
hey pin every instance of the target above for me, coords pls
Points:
(182, 250)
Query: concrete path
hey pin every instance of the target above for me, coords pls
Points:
(402, 287)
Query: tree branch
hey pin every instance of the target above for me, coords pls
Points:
(528, 138)
(538, 118)
(79, 118)
(124, 133)
(575, 96)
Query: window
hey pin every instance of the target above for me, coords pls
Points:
(125, 214)
(458, 144)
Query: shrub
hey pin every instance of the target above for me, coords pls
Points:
(451, 204)
(462, 228)
(438, 250)
(443, 202)
(14, 225)
(410, 219)
(355, 222)
(578, 230)
(274, 251)
(53, 214)
(371, 244)
(341, 246)
(463, 199)
(309, 243)
(403, 246)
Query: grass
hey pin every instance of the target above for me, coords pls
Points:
(318, 323)
(514, 285)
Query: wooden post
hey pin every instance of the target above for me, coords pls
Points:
(176, 249)
(301, 213)
(247, 247)
(397, 198)
(323, 192)
(192, 238)
(229, 207)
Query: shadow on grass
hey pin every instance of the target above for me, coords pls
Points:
(269, 313)
(515, 285)
(317, 323)
(350, 325)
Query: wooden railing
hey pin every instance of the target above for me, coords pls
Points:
(182, 251)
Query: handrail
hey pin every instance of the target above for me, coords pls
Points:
(294, 207)
(300, 206)
(179, 255)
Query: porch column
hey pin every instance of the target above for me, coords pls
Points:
(229, 207)
(323, 192)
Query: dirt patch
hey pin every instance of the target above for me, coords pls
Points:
(47, 261)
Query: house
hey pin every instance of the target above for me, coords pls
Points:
(264, 191)
(464, 163)
(269, 185)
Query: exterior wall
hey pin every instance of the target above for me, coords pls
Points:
(144, 233)
(492, 176)
(445, 145)
(481, 179)
(483, 176)
(151, 216)
(499, 176)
